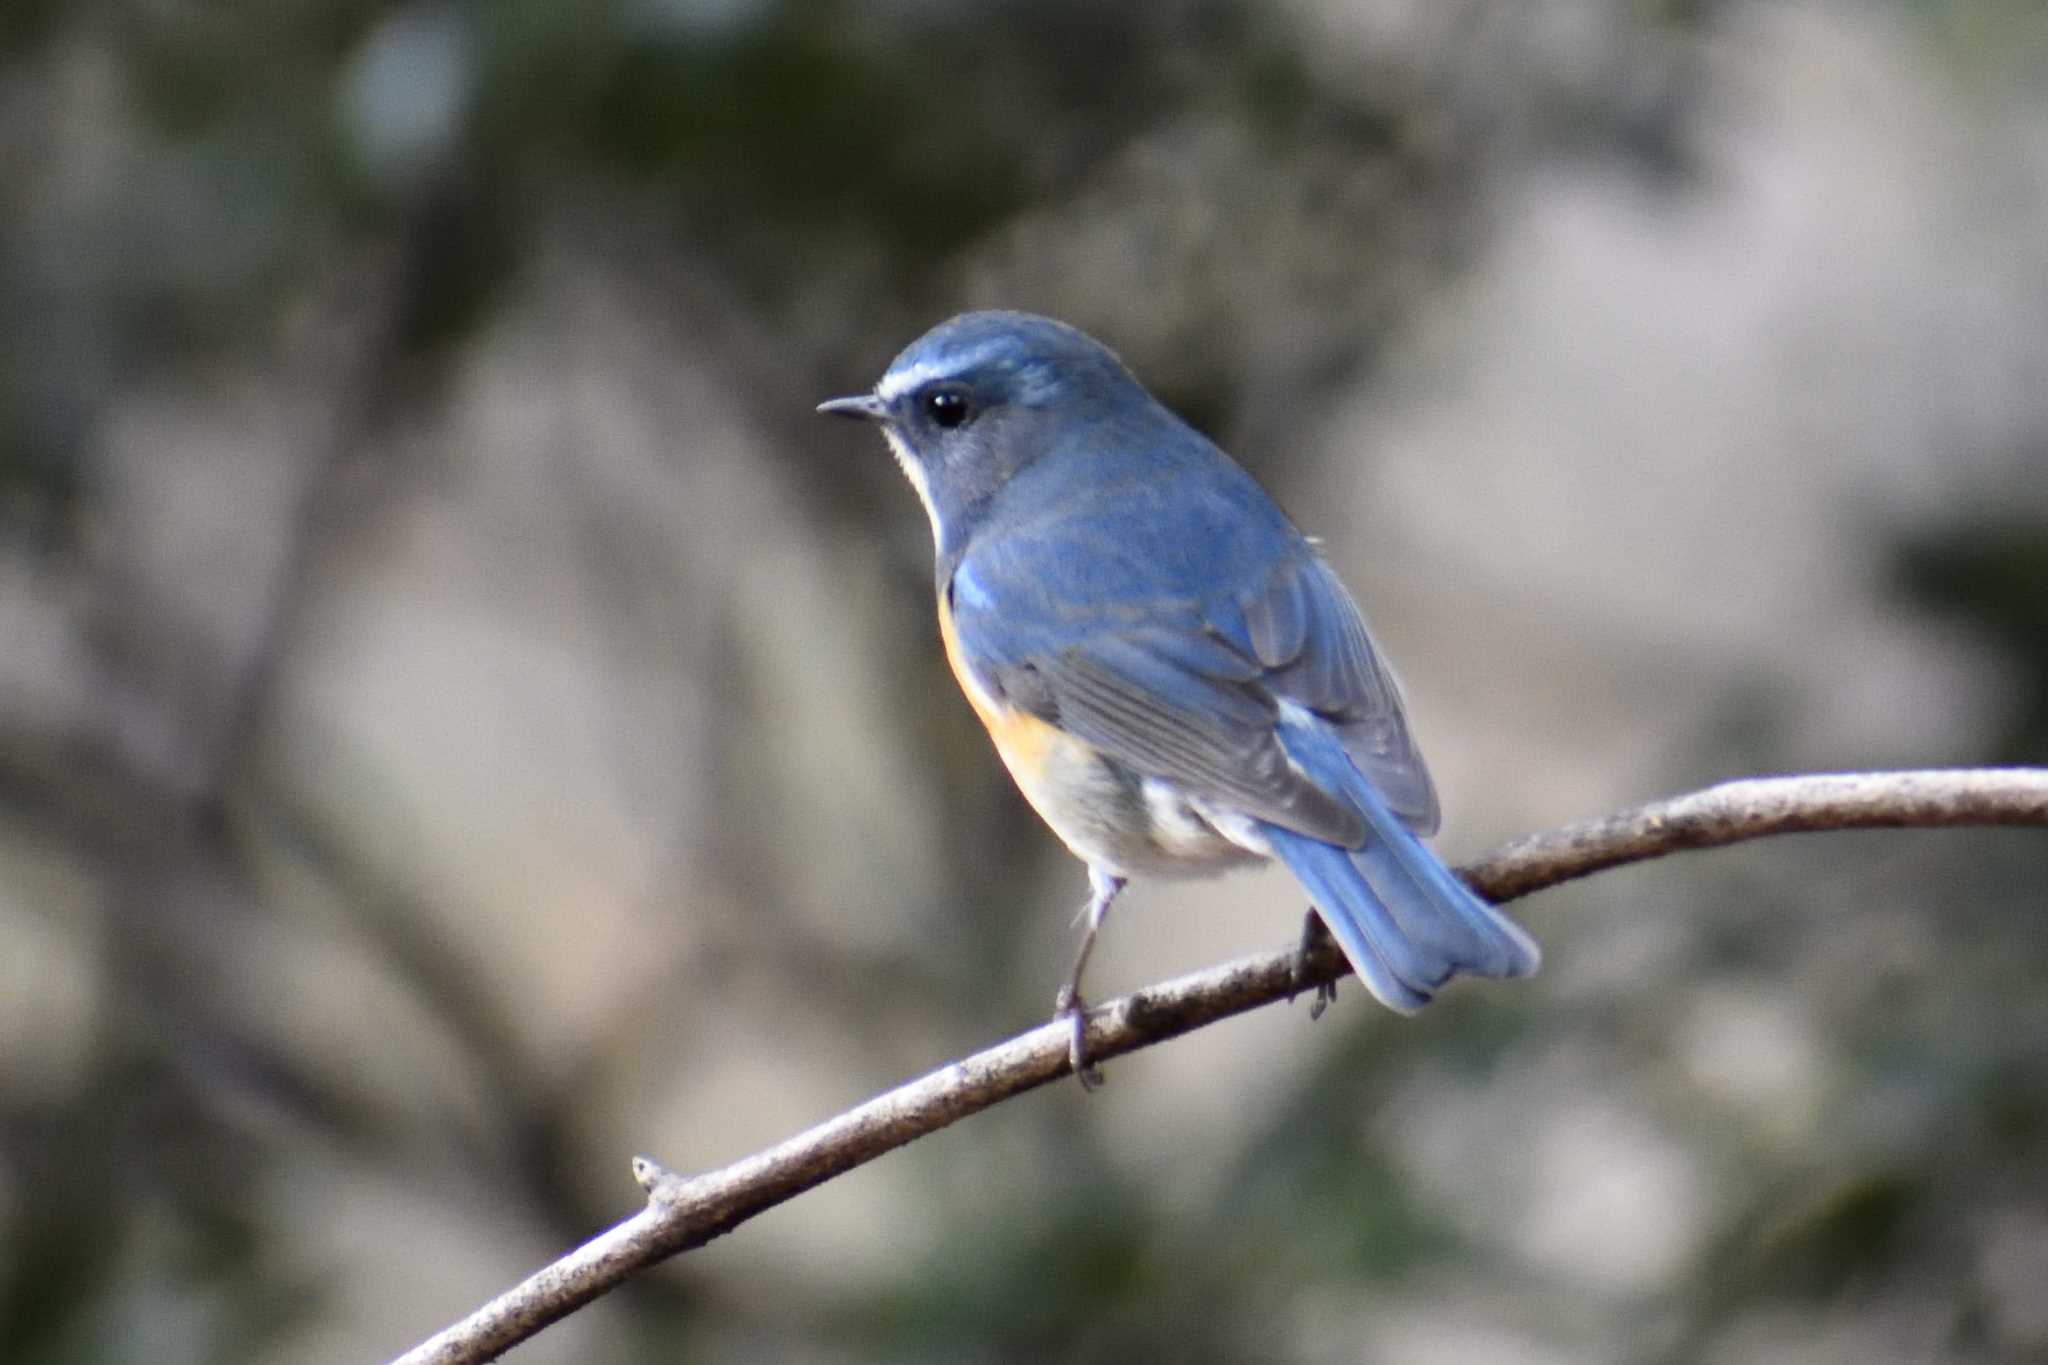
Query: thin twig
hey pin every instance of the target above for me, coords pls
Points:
(685, 1212)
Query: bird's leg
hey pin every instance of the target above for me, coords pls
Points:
(1068, 1004)
(1314, 934)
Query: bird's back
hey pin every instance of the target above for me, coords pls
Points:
(1133, 517)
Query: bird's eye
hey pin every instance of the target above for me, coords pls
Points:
(948, 408)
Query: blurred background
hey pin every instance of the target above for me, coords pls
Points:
(464, 721)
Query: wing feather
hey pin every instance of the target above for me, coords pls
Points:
(1195, 698)
(1337, 671)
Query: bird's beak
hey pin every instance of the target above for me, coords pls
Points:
(865, 406)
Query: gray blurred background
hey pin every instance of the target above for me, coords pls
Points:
(463, 721)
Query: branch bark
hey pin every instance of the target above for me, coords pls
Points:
(684, 1212)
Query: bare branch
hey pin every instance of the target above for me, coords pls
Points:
(1754, 807)
(685, 1212)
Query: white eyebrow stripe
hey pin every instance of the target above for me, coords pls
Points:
(896, 383)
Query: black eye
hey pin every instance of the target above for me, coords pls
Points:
(948, 407)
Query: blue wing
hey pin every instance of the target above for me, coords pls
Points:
(1167, 621)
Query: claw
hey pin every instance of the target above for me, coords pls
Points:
(1074, 1010)
(1313, 936)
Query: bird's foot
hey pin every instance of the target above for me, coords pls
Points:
(1071, 1007)
(1313, 935)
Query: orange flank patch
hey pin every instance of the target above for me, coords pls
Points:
(1028, 745)
(985, 706)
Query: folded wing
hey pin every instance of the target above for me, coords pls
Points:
(1191, 691)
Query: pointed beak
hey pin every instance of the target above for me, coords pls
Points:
(865, 406)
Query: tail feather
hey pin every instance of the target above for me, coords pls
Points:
(1404, 920)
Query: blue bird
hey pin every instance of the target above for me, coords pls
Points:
(1169, 668)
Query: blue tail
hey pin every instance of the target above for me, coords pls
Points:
(1405, 922)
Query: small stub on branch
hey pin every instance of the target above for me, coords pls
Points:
(661, 1183)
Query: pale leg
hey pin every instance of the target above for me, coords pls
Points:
(1103, 888)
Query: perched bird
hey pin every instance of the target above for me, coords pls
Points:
(1169, 668)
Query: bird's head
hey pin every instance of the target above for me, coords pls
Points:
(982, 396)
